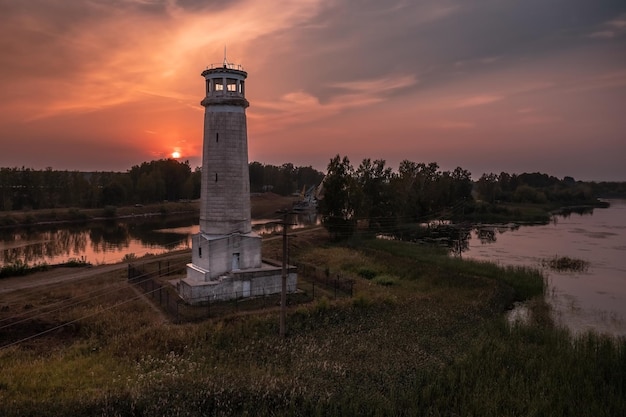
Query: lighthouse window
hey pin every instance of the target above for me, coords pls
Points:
(217, 137)
(218, 86)
(200, 251)
(216, 177)
(231, 84)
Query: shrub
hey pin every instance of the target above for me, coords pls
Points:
(129, 257)
(367, 273)
(19, 268)
(74, 262)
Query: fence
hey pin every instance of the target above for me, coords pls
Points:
(313, 283)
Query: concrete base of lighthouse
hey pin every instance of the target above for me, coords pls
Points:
(230, 267)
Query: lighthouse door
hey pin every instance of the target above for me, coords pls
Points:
(235, 261)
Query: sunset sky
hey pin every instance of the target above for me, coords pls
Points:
(488, 85)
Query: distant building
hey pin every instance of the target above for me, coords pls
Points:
(226, 253)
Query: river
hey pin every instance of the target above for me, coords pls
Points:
(593, 299)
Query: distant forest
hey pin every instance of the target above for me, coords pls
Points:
(150, 182)
(370, 190)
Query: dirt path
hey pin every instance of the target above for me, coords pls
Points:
(54, 276)
(58, 275)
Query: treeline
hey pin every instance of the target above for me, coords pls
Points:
(150, 182)
(381, 198)
(284, 180)
(535, 188)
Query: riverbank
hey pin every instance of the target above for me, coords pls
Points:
(523, 213)
(263, 205)
(425, 334)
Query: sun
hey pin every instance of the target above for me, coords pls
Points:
(175, 154)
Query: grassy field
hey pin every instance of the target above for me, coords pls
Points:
(424, 335)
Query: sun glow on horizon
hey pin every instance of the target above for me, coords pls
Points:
(175, 154)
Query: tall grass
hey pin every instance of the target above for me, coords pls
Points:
(432, 263)
(435, 344)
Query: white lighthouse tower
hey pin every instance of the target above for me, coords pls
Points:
(226, 253)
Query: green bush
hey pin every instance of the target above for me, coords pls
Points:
(367, 273)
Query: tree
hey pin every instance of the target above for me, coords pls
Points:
(337, 205)
(257, 176)
(113, 194)
(487, 187)
(375, 199)
(462, 184)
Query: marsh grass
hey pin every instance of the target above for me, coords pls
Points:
(434, 343)
(565, 263)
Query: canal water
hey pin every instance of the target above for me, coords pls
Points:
(109, 242)
(591, 299)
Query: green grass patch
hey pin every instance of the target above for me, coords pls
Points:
(432, 265)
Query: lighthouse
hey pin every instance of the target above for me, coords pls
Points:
(226, 253)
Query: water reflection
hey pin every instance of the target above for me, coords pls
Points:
(110, 241)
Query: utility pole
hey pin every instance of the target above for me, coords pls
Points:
(283, 291)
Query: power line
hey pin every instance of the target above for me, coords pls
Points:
(91, 296)
(73, 321)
